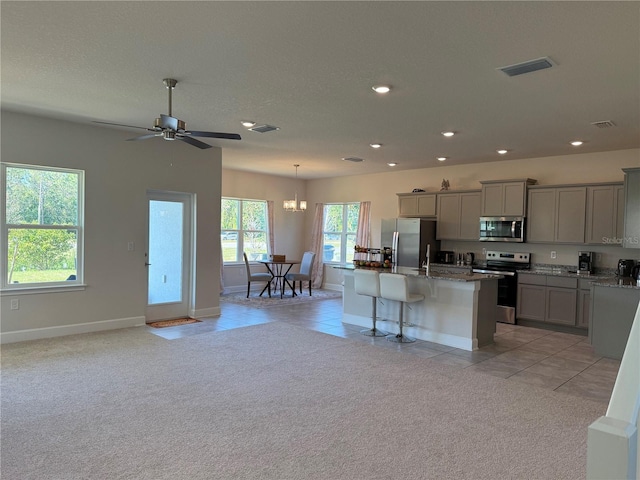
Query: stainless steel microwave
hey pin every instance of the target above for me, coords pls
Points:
(502, 229)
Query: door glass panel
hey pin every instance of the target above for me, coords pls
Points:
(166, 221)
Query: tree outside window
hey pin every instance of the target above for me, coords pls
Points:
(41, 225)
(244, 229)
(340, 224)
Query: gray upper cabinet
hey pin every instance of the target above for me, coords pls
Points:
(605, 211)
(417, 204)
(505, 197)
(631, 235)
(556, 214)
(458, 215)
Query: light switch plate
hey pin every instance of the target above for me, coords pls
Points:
(553, 254)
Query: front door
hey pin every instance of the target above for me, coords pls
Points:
(168, 255)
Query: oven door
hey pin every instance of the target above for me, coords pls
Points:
(507, 294)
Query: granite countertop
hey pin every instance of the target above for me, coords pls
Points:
(438, 274)
(618, 283)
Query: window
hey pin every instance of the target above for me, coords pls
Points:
(339, 232)
(42, 226)
(244, 229)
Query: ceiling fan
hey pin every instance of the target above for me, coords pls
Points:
(171, 128)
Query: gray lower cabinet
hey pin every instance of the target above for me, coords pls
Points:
(613, 310)
(548, 298)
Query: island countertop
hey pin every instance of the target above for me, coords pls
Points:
(438, 273)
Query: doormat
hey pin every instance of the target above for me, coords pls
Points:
(173, 323)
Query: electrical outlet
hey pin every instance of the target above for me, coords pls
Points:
(484, 252)
(15, 304)
(131, 246)
(553, 254)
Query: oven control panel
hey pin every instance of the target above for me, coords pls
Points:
(509, 257)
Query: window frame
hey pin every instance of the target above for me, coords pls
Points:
(344, 233)
(240, 231)
(43, 287)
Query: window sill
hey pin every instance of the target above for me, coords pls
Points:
(36, 290)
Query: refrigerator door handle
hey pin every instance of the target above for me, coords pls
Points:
(394, 258)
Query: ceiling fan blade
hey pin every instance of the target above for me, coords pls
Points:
(143, 137)
(121, 125)
(228, 136)
(169, 122)
(193, 141)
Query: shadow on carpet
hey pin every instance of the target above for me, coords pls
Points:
(255, 300)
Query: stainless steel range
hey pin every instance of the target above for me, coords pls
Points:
(506, 264)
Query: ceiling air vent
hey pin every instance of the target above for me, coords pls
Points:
(604, 124)
(527, 67)
(353, 159)
(264, 128)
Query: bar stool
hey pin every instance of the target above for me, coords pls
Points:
(395, 287)
(366, 282)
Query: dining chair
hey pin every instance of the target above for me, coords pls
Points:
(256, 277)
(304, 275)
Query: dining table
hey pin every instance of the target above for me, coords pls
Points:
(278, 270)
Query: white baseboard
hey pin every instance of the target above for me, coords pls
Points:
(205, 312)
(62, 330)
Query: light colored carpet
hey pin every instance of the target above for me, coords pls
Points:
(273, 401)
(255, 300)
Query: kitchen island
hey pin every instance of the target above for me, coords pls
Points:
(459, 309)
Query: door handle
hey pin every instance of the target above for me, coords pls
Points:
(146, 264)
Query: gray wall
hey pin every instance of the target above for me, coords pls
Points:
(117, 177)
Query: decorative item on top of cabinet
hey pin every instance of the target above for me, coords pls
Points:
(631, 235)
(458, 215)
(556, 214)
(505, 197)
(416, 204)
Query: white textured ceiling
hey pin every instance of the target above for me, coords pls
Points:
(308, 68)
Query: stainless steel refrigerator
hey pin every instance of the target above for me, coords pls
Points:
(409, 237)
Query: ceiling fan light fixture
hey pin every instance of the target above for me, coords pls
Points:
(295, 205)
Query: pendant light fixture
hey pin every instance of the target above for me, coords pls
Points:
(294, 205)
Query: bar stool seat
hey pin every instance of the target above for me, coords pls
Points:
(395, 287)
(366, 282)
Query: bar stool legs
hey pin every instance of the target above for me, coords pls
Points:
(395, 287)
(366, 282)
(401, 337)
(374, 332)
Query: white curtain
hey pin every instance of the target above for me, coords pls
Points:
(221, 270)
(316, 246)
(363, 233)
(272, 246)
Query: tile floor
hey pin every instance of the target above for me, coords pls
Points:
(557, 361)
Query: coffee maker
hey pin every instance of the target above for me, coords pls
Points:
(585, 263)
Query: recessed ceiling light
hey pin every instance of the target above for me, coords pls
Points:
(247, 123)
(576, 143)
(392, 164)
(375, 145)
(442, 159)
(448, 134)
(502, 151)
(381, 88)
